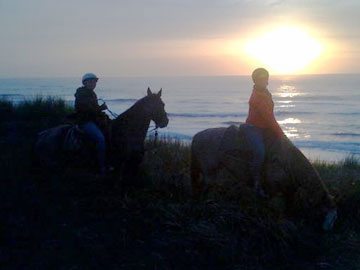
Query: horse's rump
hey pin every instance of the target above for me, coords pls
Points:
(234, 152)
(217, 148)
(53, 143)
(52, 138)
(49, 144)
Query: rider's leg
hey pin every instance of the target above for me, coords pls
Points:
(255, 141)
(95, 134)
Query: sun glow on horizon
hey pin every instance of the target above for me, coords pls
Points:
(284, 50)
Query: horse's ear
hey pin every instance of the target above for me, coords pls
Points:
(149, 91)
(159, 93)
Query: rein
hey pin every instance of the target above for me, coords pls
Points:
(112, 113)
(155, 142)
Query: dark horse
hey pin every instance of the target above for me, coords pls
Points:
(128, 132)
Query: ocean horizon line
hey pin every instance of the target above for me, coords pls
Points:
(175, 76)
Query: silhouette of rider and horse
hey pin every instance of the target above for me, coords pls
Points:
(257, 152)
(118, 142)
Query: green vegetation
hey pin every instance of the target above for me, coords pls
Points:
(77, 221)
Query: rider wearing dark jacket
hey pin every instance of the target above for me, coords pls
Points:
(90, 117)
(86, 105)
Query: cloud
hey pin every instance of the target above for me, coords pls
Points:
(47, 31)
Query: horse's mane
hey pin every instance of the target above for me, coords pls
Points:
(133, 109)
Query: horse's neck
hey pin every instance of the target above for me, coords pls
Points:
(133, 122)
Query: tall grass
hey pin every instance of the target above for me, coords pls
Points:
(29, 117)
(42, 108)
(6, 109)
(77, 221)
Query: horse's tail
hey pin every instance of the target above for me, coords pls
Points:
(48, 146)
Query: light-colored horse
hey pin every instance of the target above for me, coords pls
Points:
(286, 169)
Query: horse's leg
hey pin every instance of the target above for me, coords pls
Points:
(197, 177)
(197, 183)
(210, 177)
(131, 169)
(129, 173)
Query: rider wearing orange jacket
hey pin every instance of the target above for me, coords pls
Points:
(261, 111)
(260, 118)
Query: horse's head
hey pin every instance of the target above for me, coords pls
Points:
(288, 170)
(322, 212)
(155, 108)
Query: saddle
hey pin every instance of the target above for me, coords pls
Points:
(74, 139)
(102, 120)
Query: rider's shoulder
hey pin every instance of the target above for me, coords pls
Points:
(81, 91)
(262, 93)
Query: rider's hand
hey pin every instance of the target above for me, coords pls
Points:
(103, 106)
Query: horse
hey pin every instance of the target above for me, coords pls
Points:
(58, 147)
(286, 170)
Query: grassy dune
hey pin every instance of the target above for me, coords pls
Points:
(77, 221)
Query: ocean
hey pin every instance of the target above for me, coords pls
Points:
(319, 113)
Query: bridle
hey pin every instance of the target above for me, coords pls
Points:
(155, 129)
(155, 142)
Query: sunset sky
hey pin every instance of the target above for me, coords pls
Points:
(47, 38)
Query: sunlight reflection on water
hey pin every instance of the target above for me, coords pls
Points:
(291, 132)
(285, 101)
(287, 91)
(290, 121)
(286, 106)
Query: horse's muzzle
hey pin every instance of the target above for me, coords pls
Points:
(163, 123)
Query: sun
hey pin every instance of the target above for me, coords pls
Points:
(284, 50)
